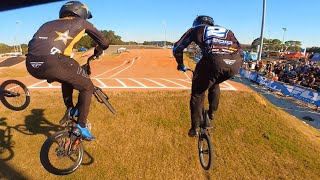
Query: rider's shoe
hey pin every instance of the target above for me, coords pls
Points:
(193, 132)
(208, 124)
(211, 114)
(85, 133)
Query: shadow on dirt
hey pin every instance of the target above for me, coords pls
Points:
(35, 124)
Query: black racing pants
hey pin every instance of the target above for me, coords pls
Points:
(68, 72)
(209, 73)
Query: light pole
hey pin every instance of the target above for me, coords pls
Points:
(165, 33)
(262, 29)
(284, 32)
(17, 46)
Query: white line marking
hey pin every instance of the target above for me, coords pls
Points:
(111, 69)
(122, 83)
(124, 68)
(103, 84)
(175, 83)
(50, 85)
(232, 88)
(155, 82)
(137, 82)
(36, 84)
(132, 87)
(188, 81)
(186, 75)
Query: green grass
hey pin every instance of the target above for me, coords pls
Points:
(148, 139)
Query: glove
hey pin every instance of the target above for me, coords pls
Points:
(87, 68)
(98, 51)
(182, 67)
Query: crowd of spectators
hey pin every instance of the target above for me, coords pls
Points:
(300, 73)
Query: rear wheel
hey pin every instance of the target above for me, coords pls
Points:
(205, 151)
(15, 95)
(59, 155)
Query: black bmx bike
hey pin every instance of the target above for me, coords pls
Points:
(62, 152)
(14, 95)
(205, 147)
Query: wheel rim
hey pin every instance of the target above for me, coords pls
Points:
(204, 152)
(20, 99)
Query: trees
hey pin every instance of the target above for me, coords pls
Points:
(293, 46)
(87, 42)
(314, 49)
(277, 45)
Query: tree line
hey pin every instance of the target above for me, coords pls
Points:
(278, 45)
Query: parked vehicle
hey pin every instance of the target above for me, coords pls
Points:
(82, 49)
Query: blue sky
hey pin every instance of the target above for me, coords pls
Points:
(145, 20)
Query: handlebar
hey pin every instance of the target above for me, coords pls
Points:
(86, 66)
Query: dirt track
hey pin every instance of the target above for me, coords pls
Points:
(137, 69)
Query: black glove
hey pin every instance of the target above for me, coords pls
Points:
(98, 51)
(87, 68)
(182, 67)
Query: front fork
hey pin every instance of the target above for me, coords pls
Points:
(73, 141)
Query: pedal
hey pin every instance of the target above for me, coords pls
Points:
(87, 139)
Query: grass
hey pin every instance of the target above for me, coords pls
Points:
(13, 72)
(148, 139)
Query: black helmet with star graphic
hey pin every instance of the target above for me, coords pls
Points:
(75, 8)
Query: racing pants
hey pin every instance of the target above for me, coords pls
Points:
(210, 71)
(68, 72)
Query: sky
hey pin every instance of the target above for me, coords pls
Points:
(157, 20)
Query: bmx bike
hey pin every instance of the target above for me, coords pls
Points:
(62, 152)
(14, 95)
(205, 147)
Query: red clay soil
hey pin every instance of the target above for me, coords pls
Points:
(138, 63)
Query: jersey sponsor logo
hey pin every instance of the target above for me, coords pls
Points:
(41, 37)
(36, 64)
(217, 32)
(229, 61)
(64, 37)
(55, 50)
(221, 42)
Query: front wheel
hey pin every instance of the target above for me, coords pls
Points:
(205, 151)
(59, 155)
(14, 95)
(103, 98)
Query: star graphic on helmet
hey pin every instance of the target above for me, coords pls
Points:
(63, 36)
(85, 7)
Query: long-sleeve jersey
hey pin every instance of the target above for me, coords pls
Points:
(210, 39)
(59, 36)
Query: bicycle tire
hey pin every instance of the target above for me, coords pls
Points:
(24, 102)
(103, 98)
(206, 163)
(44, 155)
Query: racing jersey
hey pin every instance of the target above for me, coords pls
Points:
(59, 36)
(210, 39)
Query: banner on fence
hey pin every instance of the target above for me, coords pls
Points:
(248, 74)
(271, 84)
(300, 93)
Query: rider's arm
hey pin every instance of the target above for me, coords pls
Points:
(179, 46)
(96, 35)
